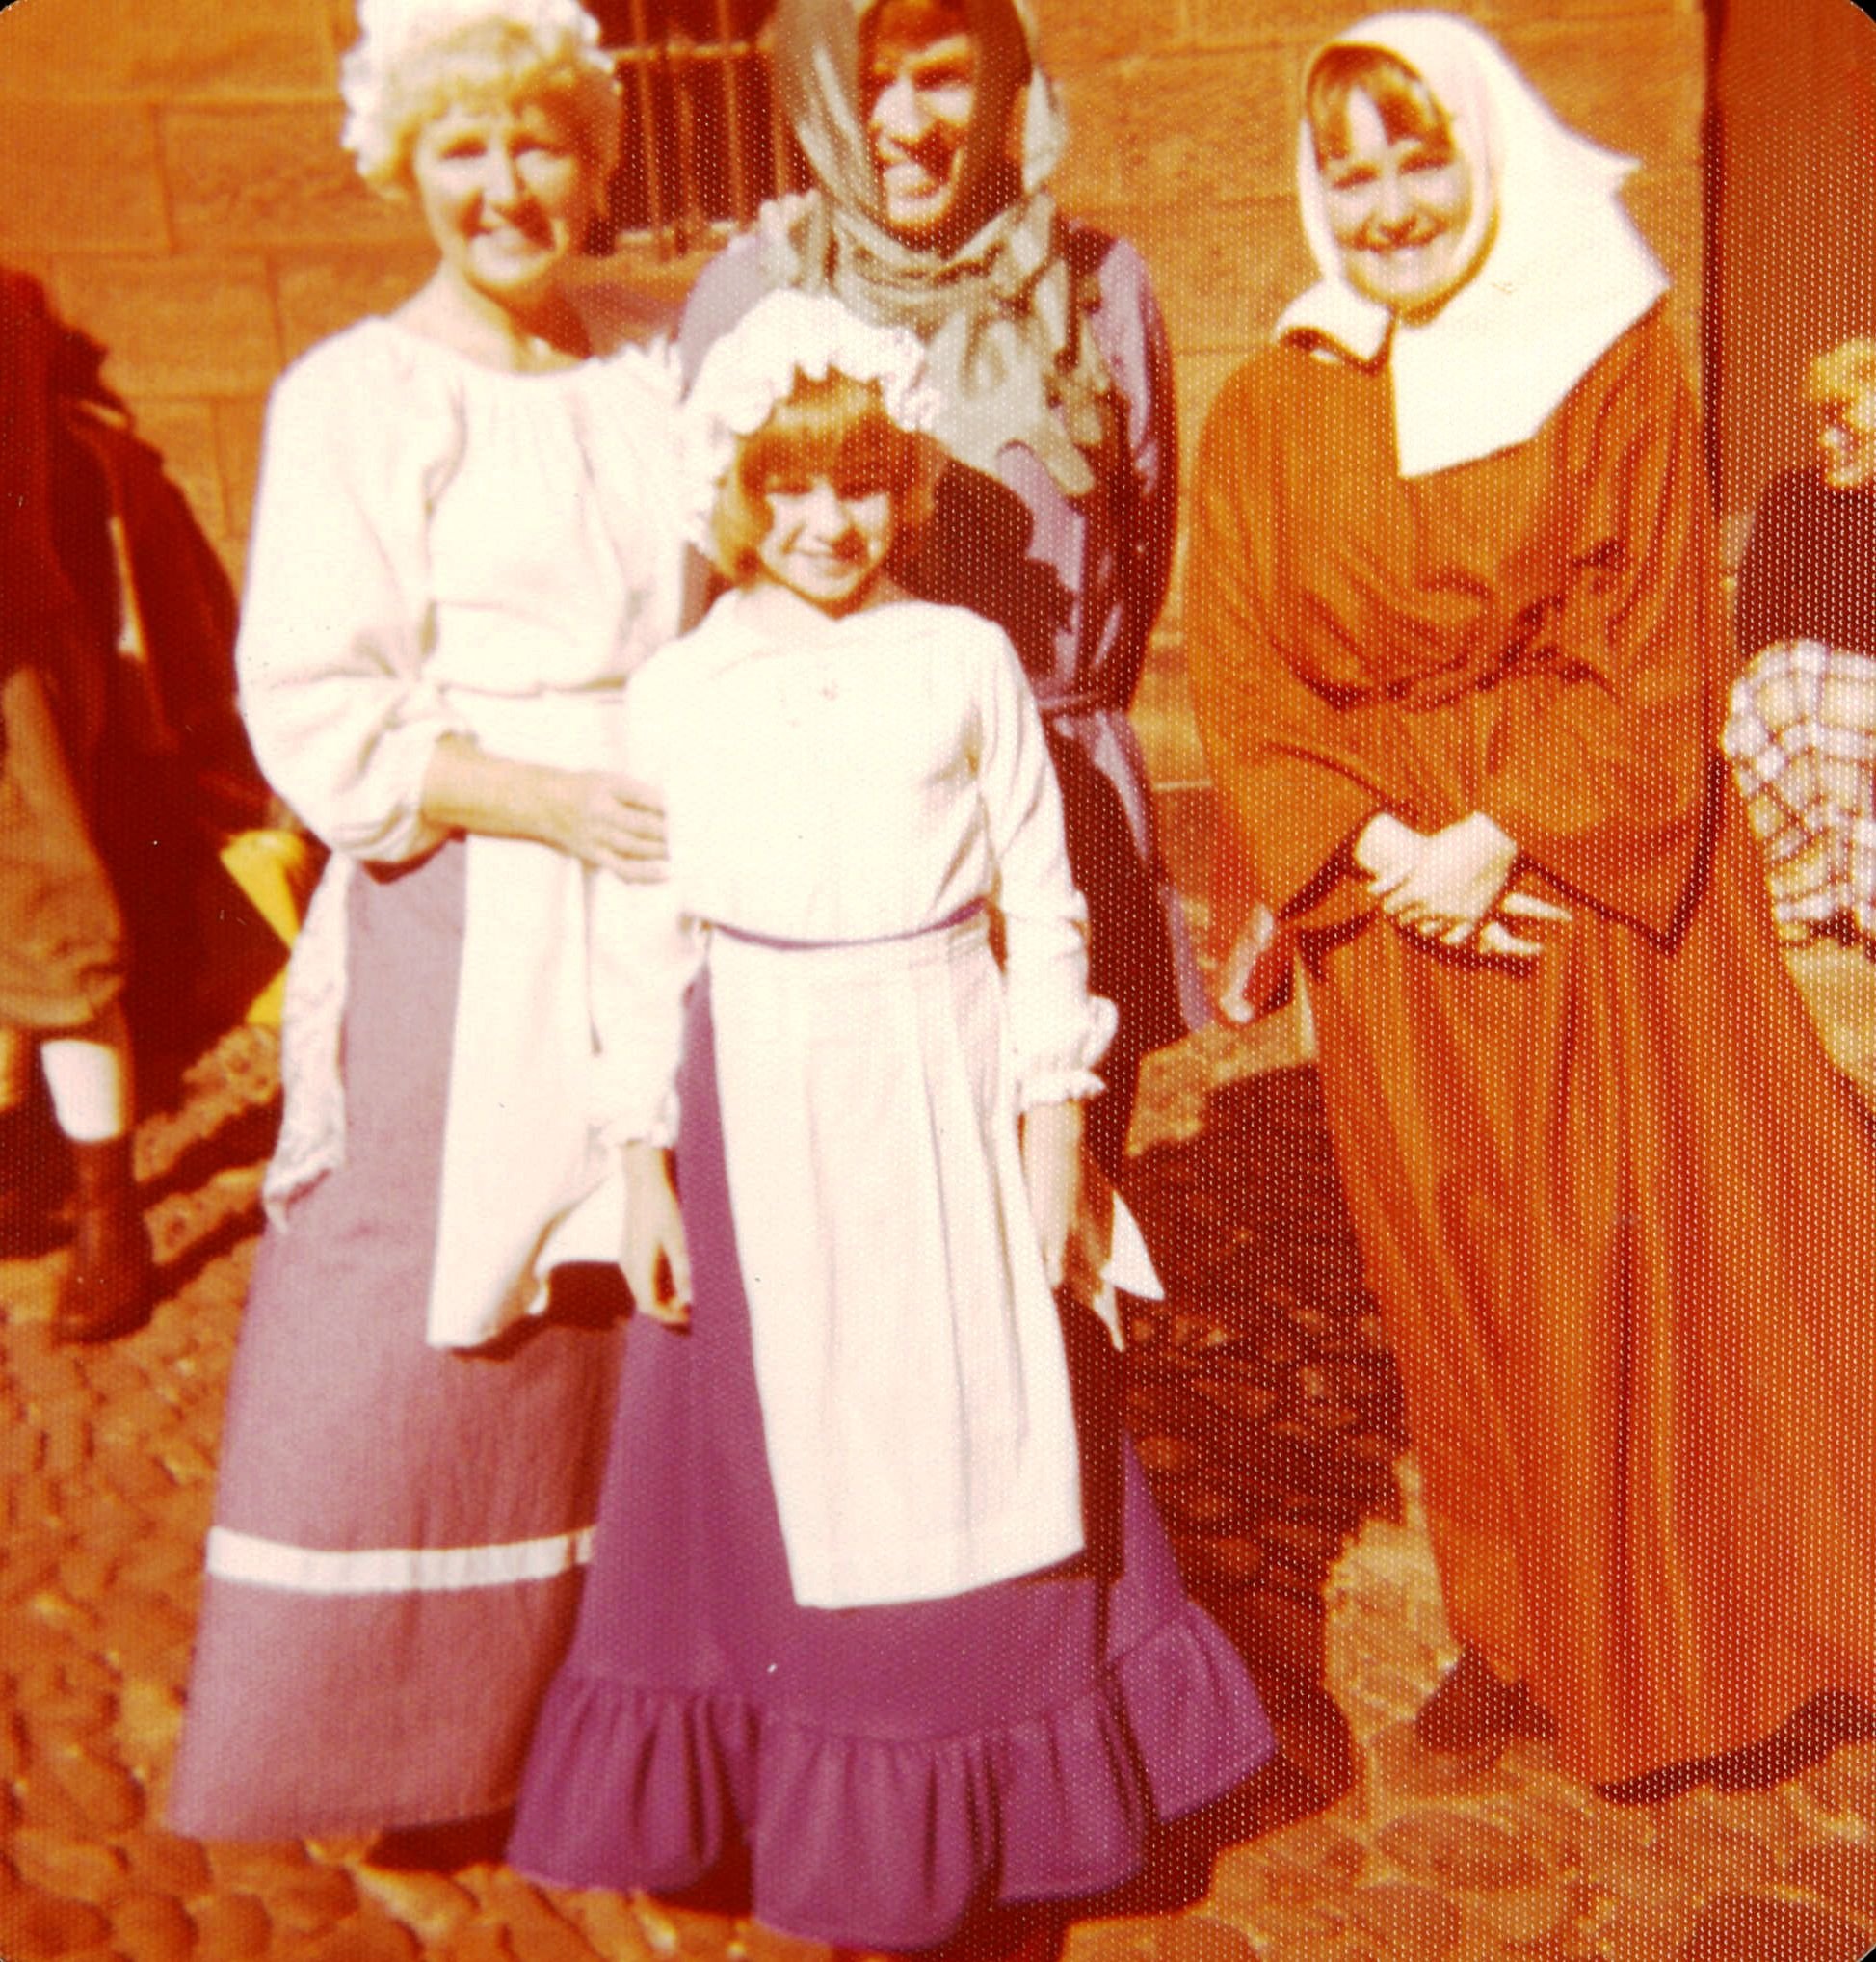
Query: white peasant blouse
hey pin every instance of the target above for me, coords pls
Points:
(441, 546)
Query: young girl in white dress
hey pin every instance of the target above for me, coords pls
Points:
(868, 1616)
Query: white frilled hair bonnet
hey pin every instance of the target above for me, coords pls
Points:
(754, 366)
(390, 32)
(1563, 273)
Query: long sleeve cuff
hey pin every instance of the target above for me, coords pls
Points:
(1056, 1044)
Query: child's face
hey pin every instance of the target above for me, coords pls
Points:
(825, 542)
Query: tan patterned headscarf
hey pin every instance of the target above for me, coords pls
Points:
(1003, 315)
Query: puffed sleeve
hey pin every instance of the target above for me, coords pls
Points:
(1058, 1031)
(1607, 759)
(335, 620)
(635, 462)
(644, 954)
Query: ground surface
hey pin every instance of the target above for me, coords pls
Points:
(1267, 1410)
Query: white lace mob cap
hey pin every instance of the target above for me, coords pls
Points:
(785, 335)
(392, 32)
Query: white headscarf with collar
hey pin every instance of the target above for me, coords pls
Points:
(1563, 275)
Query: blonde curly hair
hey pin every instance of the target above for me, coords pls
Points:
(413, 58)
(1845, 374)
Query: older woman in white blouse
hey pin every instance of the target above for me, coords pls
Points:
(461, 547)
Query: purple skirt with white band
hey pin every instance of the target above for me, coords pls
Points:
(400, 1532)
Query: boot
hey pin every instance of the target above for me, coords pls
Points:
(1474, 1710)
(107, 1289)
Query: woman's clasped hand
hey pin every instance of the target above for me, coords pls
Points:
(1534, 923)
(1451, 885)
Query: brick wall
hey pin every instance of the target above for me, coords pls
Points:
(171, 171)
(1796, 92)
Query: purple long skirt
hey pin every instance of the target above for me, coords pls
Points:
(351, 1686)
(885, 1773)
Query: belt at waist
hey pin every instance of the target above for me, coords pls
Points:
(970, 910)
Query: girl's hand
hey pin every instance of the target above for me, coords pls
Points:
(655, 1258)
(612, 821)
(1052, 1172)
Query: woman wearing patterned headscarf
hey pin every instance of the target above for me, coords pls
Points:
(1056, 517)
(1459, 664)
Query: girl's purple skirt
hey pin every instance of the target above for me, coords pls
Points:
(885, 1773)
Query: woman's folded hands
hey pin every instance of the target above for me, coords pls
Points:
(1451, 885)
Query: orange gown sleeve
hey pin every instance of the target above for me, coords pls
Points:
(1604, 766)
(1295, 795)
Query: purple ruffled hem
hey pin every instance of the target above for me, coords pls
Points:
(878, 1842)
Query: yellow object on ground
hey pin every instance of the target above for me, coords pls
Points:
(277, 870)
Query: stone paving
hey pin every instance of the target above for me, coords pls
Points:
(1268, 1414)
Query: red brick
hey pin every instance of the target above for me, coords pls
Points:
(153, 1927)
(64, 1865)
(233, 1927)
(1222, 274)
(78, 176)
(266, 175)
(103, 48)
(313, 1900)
(185, 435)
(35, 1927)
(169, 1862)
(1195, 130)
(320, 292)
(1075, 38)
(1199, 1938)
(1407, 1921)
(202, 326)
(1449, 1849)
(237, 443)
(1230, 24)
(1634, 81)
(109, 1798)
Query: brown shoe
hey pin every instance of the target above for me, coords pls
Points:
(1476, 1710)
(107, 1287)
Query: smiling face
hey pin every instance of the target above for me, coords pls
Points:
(507, 193)
(828, 539)
(918, 94)
(1398, 206)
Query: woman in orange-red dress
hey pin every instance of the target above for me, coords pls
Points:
(1456, 639)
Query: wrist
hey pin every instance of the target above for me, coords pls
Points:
(1383, 843)
(544, 804)
(1496, 847)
